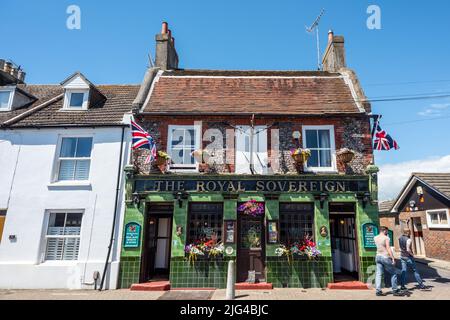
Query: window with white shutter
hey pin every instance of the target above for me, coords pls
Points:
(63, 236)
(74, 159)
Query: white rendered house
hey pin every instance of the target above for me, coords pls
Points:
(62, 154)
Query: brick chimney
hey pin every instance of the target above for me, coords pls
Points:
(166, 55)
(334, 57)
(10, 74)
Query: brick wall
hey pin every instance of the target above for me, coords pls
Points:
(437, 241)
(350, 132)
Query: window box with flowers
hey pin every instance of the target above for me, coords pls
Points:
(305, 247)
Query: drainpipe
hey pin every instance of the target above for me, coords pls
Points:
(111, 241)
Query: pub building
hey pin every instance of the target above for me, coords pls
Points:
(230, 136)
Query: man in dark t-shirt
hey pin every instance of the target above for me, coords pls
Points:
(407, 260)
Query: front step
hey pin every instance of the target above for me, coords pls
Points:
(151, 286)
(350, 285)
(254, 286)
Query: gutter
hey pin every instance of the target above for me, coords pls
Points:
(111, 240)
(272, 115)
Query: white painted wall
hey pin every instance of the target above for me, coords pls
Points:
(27, 160)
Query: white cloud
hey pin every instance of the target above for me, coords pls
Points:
(435, 110)
(393, 177)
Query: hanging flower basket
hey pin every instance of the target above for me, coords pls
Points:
(345, 155)
(252, 208)
(161, 158)
(201, 156)
(300, 155)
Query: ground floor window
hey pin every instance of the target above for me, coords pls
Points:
(205, 222)
(438, 218)
(296, 221)
(63, 236)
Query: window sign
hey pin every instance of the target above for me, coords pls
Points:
(132, 235)
(272, 230)
(370, 230)
(230, 232)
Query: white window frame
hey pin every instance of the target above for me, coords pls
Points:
(11, 91)
(330, 128)
(438, 226)
(183, 167)
(46, 236)
(55, 175)
(68, 95)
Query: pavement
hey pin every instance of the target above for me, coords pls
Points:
(438, 279)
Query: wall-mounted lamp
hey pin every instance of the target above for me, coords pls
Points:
(180, 196)
(322, 198)
(365, 198)
(136, 198)
(296, 135)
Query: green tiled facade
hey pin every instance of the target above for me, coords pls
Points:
(129, 271)
(201, 274)
(301, 273)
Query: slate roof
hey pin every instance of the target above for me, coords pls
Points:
(119, 99)
(385, 206)
(439, 181)
(259, 92)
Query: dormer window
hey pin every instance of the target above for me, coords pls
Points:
(80, 93)
(76, 99)
(6, 99)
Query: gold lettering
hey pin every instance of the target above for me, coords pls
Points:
(180, 185)
(330, 186)
(340, 187)
(170, 185)
(292, 186)
(313, 185)
(221, 185)
(200, 186)
(158, 185)
(231, 187)
(303, 187)
(240, 187)
(282, 185)
(259, 186)
(271, 186)
(211, 186)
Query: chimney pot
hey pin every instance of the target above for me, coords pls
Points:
(330, 36)
(7, 68)
(170, 33)
(164, 27)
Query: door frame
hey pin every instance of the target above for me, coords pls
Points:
(356, 253)
(145, 275)
(263, 245)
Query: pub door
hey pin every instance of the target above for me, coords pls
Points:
(250, 249)
(157, 243)
(344, 244)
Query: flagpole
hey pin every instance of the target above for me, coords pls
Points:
(374, 130)
(375, 125)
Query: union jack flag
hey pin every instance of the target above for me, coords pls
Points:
(143, 140)
(383, 141)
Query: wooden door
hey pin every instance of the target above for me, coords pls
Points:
(418, 236)
(251, 242)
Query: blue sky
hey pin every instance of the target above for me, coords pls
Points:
(408, 56)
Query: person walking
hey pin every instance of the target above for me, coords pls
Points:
(407, 260)
(385, 262)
